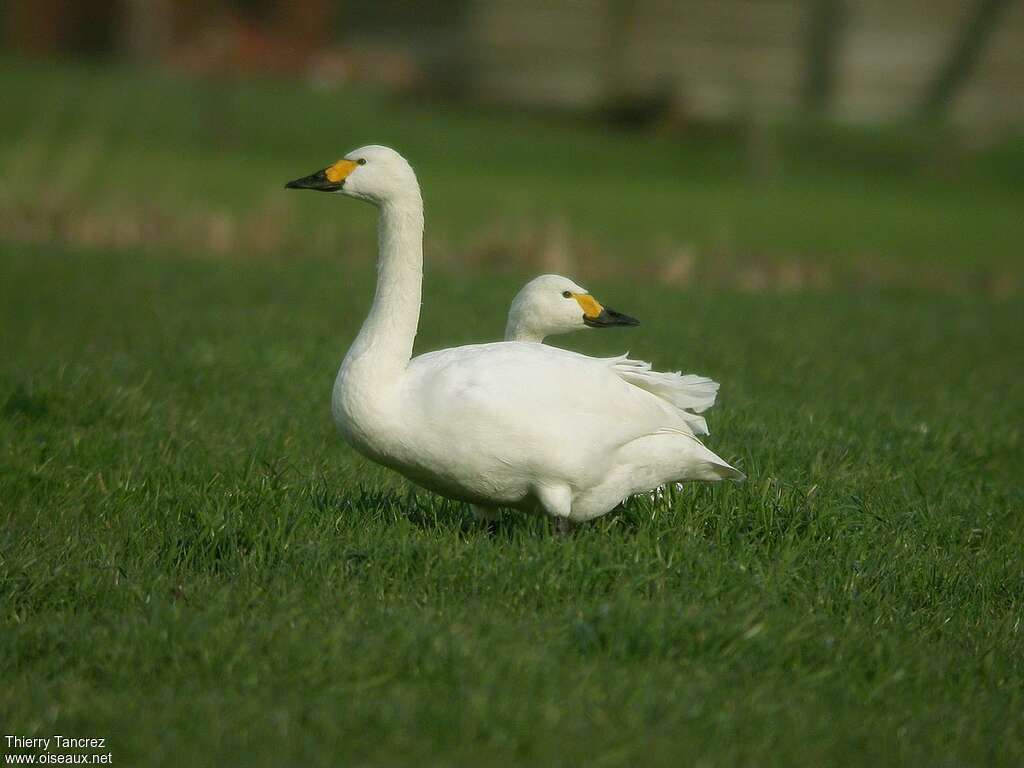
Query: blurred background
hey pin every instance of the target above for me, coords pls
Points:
(771, 144)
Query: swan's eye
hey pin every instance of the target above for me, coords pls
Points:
(567, 294)
(361, 161)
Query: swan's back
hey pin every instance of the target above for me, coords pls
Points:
(536, 393)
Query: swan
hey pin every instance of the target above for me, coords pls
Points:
(552, 304)
(506, 424)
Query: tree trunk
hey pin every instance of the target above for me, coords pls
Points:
(824, 33)
(958, 66)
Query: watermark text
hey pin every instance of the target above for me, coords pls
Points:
(56, 750)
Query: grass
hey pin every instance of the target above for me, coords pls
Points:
(194, 567)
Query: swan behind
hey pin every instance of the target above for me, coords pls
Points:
(552, 304)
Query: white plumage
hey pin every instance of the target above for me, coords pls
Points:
(512, 424)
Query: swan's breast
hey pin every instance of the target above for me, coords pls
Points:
(398, 424)
(363, 411)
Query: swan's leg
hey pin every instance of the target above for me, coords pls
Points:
(557, 503)
(485, 514)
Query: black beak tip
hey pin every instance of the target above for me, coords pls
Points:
(623, 320)
(620, 319)
(316, 181)
(609, 318)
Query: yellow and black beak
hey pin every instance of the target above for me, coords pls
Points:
(330, 179)
(597, 316)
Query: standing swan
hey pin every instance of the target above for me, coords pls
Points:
(508, 424)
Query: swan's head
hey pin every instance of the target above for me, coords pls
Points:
(375, 174)
(552, 304)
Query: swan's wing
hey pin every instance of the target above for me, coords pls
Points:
(688, 391)
(533, 397)
(697, 423)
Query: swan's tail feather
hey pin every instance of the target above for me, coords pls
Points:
(705, 464)
(714, 467)
(689, 393)
(727, 472)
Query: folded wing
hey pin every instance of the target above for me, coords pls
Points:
(690, 393)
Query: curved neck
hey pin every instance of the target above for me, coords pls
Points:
(383, 347)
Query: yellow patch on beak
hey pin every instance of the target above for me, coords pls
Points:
(337, 172)
(591, 307)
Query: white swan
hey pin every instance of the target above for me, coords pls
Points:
(507, 424)
(551, 304)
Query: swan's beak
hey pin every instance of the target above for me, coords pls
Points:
(609, 318)
(597, 316)
(330, 179)
(317, 181)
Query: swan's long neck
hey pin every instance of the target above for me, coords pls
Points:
(383, 348)
(517, 330)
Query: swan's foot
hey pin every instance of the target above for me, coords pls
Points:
(488, 517)
(563, 526)
(485, 514)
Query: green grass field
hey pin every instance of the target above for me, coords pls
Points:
(196, 568)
